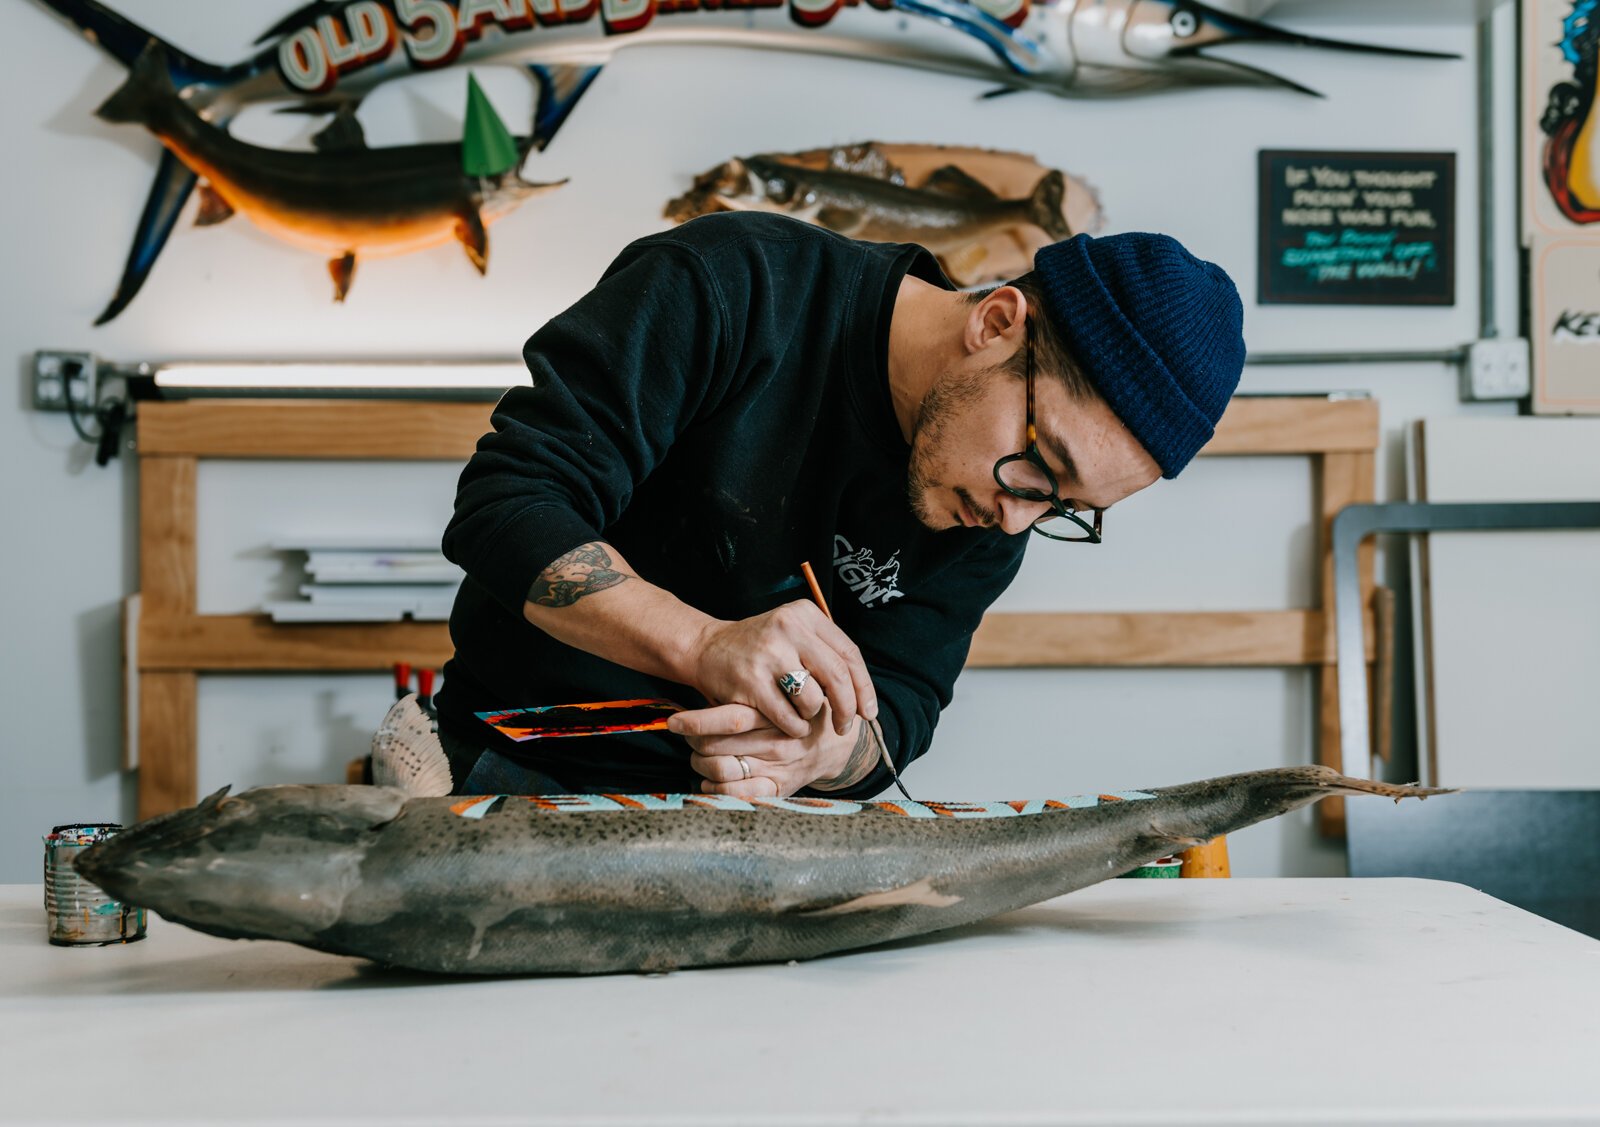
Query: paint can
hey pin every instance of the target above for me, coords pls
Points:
(1160, 868)
(77, 912)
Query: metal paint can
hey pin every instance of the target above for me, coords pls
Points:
(1161, 868)
(78, 913)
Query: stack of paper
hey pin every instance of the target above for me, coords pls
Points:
(370, 579)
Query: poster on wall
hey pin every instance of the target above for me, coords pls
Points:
(1565, 315)
(1560, 125)
(1354, 228)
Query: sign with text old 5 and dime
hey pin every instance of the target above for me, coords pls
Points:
(1564, 311)
(1354, 228)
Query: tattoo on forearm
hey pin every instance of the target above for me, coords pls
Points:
(862, 757)
(582, 571)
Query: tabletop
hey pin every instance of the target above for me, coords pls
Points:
(1303, 1001)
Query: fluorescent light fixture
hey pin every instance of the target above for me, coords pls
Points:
(464, 378)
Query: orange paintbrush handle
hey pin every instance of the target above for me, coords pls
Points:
(816, 591)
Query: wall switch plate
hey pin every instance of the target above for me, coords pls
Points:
(60, 375)
(1496, 369)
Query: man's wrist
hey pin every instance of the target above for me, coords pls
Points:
(863, 757)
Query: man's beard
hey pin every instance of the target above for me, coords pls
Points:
(940, 407)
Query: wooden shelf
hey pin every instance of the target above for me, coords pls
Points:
(241, 643)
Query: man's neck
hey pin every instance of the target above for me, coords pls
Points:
(924, 339)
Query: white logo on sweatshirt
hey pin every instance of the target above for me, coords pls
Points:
(858, 570)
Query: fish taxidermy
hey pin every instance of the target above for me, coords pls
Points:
(587, 884)
(983, 213)
(1571, 122)
(329, 54)
(344, 201)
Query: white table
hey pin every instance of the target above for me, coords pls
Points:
(1147, 1002)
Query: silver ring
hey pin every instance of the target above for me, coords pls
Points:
(794, 681)
(744, 765)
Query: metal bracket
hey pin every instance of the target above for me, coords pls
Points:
(1355, 523)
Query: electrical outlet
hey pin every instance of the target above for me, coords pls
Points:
(60, 375)
(1495, 369)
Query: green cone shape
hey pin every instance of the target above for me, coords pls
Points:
(487, 147)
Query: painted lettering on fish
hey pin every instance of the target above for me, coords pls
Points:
(313, 58)
(481, 806)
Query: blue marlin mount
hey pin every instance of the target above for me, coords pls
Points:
(325, 57)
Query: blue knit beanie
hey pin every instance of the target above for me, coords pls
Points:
(1157, 331)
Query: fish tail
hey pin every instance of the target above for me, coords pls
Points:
(125, 41)
(1221, 806)
(1044, 206)
(1334, 783)
(148, 85)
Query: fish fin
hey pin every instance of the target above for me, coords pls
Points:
(213, 208)
(1044, 205)
(1001, 92)
(343, 271)
(560, 86)
(168, 194)
(1015, 51)
(322, 107)
(473, 236)
(952, 181)
(840, 219)
(343, 133)
(922, 894)
(148, 83)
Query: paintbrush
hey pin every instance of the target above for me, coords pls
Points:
(872, 725)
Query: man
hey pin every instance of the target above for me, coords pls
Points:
(746, 393)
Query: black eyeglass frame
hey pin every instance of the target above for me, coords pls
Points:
(1031, 455)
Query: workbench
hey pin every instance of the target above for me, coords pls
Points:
(1275, 1001)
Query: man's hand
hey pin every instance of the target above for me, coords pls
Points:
(723, 735)
(740, 662)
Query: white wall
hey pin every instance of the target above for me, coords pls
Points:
(1230, 534)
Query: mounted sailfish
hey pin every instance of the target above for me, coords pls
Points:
(329, 53)
(345, 200)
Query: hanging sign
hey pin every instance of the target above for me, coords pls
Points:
(1348, 228)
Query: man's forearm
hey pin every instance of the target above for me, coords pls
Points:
(591, 599)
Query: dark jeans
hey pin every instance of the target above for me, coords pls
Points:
(480, 770)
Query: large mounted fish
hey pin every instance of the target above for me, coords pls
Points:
(1571, 120)
(332, 52)
(343, 201)
(983, 213)
(586, 884)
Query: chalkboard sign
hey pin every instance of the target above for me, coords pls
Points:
(1357, 228)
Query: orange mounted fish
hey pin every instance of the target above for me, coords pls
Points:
(345, 201)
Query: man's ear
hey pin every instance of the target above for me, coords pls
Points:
(998, 321)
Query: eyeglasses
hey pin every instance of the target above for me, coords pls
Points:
(1026, 475)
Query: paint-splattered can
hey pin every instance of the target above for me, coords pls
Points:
(77, 912)
(1161, 867)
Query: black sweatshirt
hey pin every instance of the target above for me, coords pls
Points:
(717, 408)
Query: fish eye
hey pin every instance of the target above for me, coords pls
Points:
(779, 189)
(1184, 23)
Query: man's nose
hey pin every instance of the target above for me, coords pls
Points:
(1017, 515)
